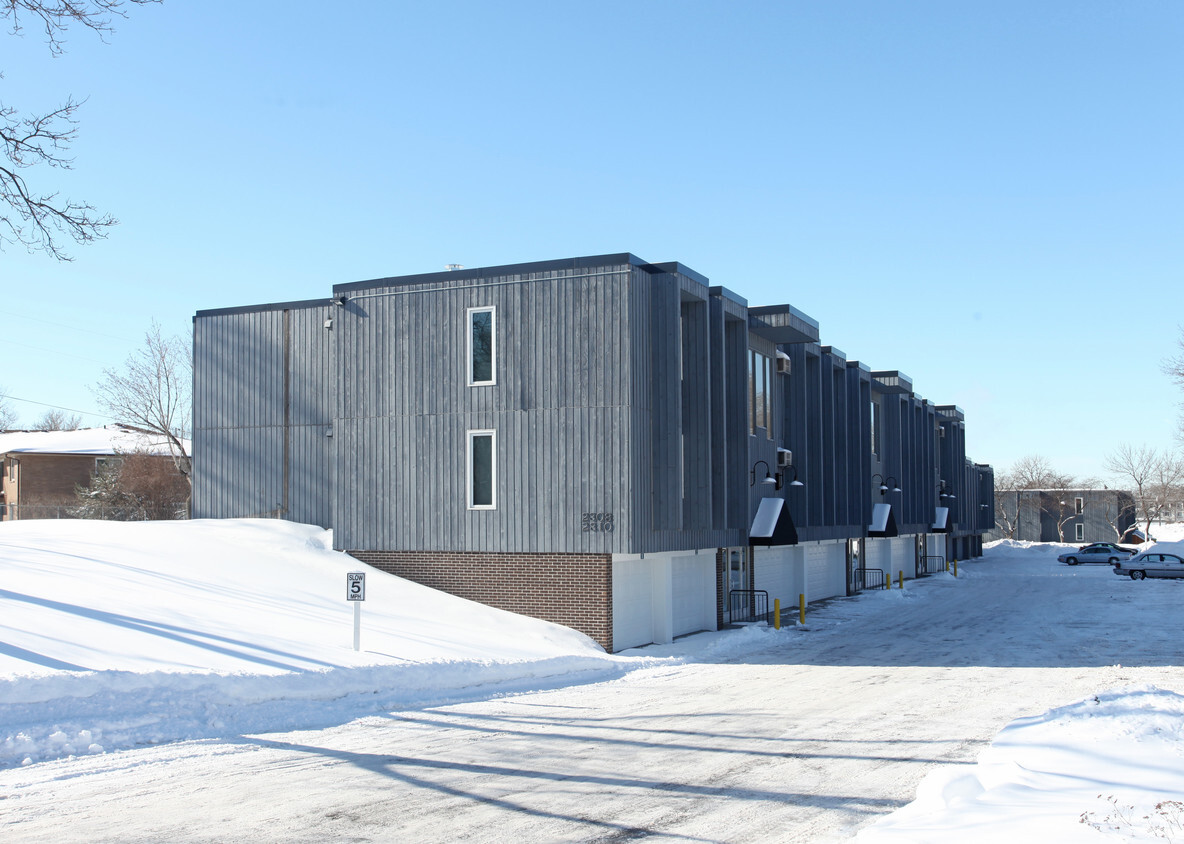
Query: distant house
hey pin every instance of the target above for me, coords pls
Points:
(41, 470)
(1134, 536)
(1080, 515)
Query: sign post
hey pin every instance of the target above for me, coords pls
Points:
(355, 591)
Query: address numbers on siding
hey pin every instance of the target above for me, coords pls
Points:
(597, 523)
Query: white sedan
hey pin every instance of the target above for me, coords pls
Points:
(1151, 564)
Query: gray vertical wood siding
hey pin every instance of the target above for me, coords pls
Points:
(559, 407)
(620, 387)
(263, 408)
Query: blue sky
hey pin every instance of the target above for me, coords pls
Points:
(987, 196)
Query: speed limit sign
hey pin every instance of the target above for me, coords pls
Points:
(355, 586)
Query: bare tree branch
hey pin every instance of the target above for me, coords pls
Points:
(152, 391)
(32, 219)
(55, 420)
(7, 412)
(1118, 515)
(1173, 367)
(137, 486)
(1034, 473)
(56, 16)
(1155, 476)
(29, 217)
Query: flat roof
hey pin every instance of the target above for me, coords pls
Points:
(478, 273)
(782, 324)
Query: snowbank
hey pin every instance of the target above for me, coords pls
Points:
(118, 634)
(1109, 763)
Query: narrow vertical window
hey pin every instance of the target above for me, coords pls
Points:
(482, 346)
(875, 430)
(1079, 505)
(482, 470)
(767, 373)
(752, 392)
(1080, 533)
(760, 391)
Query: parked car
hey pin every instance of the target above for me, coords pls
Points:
(1099, 552)
(1151, 564)
(1130, 552)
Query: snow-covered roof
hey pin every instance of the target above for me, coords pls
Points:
(110, 439)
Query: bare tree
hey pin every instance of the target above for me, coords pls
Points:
(1155, 477)
(137, 486)
(1173, 367)
(7, 412)
(55, 420)
(1054, 501)
(1062, 507)
(1118, 514)
(153, 391)
(1007, 503)
(29, 216)
(1035, 472)
(1029, 473)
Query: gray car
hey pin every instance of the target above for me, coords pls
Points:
(1151, 564)
(1100, 552)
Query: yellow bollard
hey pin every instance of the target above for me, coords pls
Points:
(776, 613)
(955, 568)
(801, 608)
(901, 578)
(947, 566)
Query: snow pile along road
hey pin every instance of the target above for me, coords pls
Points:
(114, 635)
(1111, 763)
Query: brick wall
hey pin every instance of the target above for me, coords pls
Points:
(52, 478)
(575, 590)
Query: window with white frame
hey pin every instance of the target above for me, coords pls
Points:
(1078, 505)
(482, 470)
(482, 352)
(1080, 531)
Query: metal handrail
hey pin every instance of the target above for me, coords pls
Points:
(748, 605)
(869, 579)
(931, 564)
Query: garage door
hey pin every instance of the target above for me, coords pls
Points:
(826, 570)
(632, 604)
(694, 593)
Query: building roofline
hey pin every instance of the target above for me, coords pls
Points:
(478, 273)
(302, 304)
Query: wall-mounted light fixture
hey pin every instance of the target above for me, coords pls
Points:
(339, 299)
(942, 493)
(886, 484)
(770, 477)
(795, 481)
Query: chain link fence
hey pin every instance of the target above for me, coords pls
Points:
(21, 512)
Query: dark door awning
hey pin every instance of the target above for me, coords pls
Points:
(772, 524)
(883, 521)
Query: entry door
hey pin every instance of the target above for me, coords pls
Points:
(854, 566)
(739, 580)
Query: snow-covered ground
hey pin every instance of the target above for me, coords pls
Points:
(119, 634)
(130, 651)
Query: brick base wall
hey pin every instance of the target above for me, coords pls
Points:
(575, 590)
